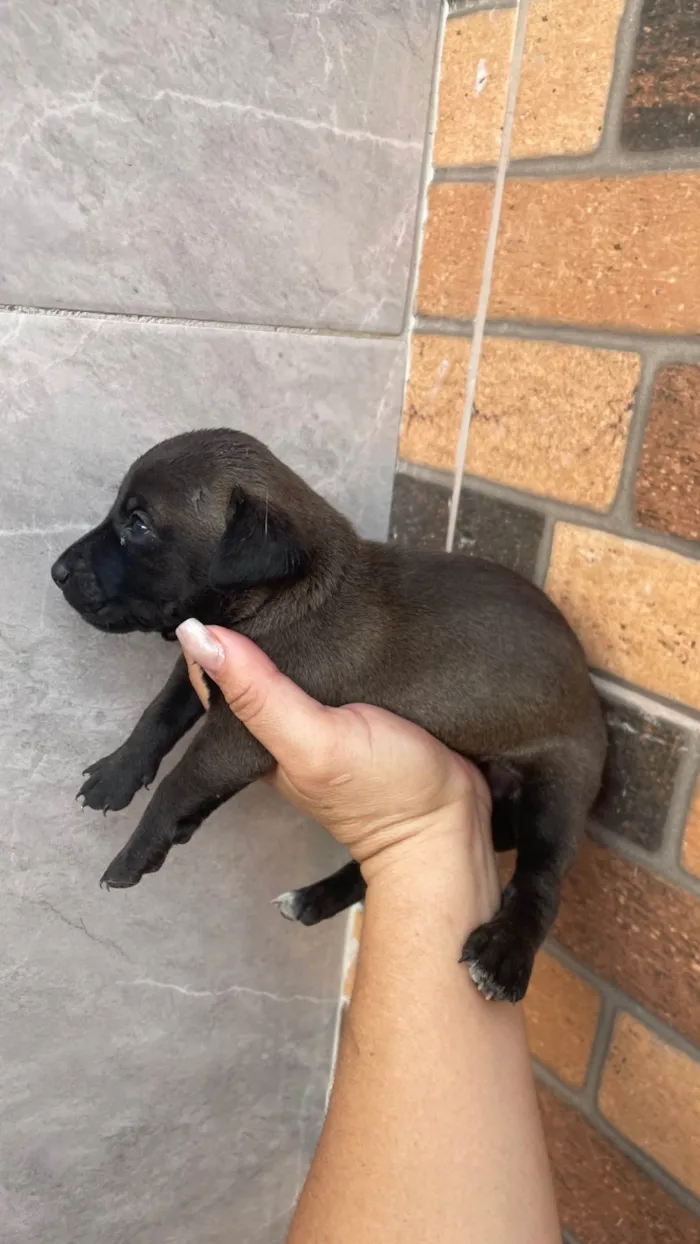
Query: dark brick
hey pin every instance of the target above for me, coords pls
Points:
(419, 512)
(604, 1198)
(640, 771)
(662, 110)
(667, 493)
(501, 532)
(636, 930)
(496, 530)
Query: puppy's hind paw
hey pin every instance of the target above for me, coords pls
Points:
(499, 961)
(289, 904)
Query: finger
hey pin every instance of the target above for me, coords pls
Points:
(288, 722)
(197, 679)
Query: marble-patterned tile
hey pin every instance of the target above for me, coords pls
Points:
(81, 398)
(165, 1050)
(256, 162)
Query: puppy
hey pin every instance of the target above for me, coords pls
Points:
(211, 524)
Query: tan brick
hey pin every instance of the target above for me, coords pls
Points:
(434, 402)
(567, 65)
(651, 1093)
(691, 838)
(553, 419)
(561, 1014)
(453, 248)
(634, 607)
(604, 1198)
(473, 87)
(589, 251)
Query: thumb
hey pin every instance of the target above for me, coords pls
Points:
(287, 721)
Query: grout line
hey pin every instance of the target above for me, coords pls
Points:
(678, 348)
(562, 511)
(677, 819)
(621, 1001)
(625, 49)
(596, 164)
(462, 8)
(654, 862)
(658, 1174)
(599, 1049)
(682, 716)
(488, 264)
(544, 552)
(623, 506)
(174, 321)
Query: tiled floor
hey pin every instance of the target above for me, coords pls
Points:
(165, 1052)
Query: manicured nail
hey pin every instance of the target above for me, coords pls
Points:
(200, 645)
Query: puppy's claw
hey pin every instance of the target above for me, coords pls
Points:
(288, 904)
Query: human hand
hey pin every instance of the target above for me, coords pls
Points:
(383, 787)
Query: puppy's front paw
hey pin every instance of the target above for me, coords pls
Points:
(111, 783)
(130, 865)
(499, 959)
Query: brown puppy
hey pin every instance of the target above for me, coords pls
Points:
(212, 525)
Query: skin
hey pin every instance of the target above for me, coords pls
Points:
(433, 1132)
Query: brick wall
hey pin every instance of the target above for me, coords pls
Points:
(556, 348)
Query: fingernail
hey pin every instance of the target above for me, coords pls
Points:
(200, 645)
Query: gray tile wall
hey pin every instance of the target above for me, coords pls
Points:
(164, 1052)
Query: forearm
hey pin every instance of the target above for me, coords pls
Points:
(433, 1132)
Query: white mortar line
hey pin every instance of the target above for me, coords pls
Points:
(487, 271)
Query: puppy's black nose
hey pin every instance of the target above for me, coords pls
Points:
(60, 573)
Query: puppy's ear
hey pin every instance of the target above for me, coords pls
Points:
(259, 545)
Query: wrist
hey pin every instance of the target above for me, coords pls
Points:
(447, 866)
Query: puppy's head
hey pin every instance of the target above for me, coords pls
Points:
(205, 514)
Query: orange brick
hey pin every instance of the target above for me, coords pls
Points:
(604, 1198)
(561, 1015)
(590, 251)
(434, 402)
(667, 493)
(567, 65)
(651, 1093)
(634, 607)
(552, 419)
(453, 248)
(473, 87)
(636, 930)
(691, 839)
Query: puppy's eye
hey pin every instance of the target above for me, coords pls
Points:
(137, 524)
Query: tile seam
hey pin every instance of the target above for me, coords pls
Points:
(173, 321)
(516, 61)
(409, 316)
